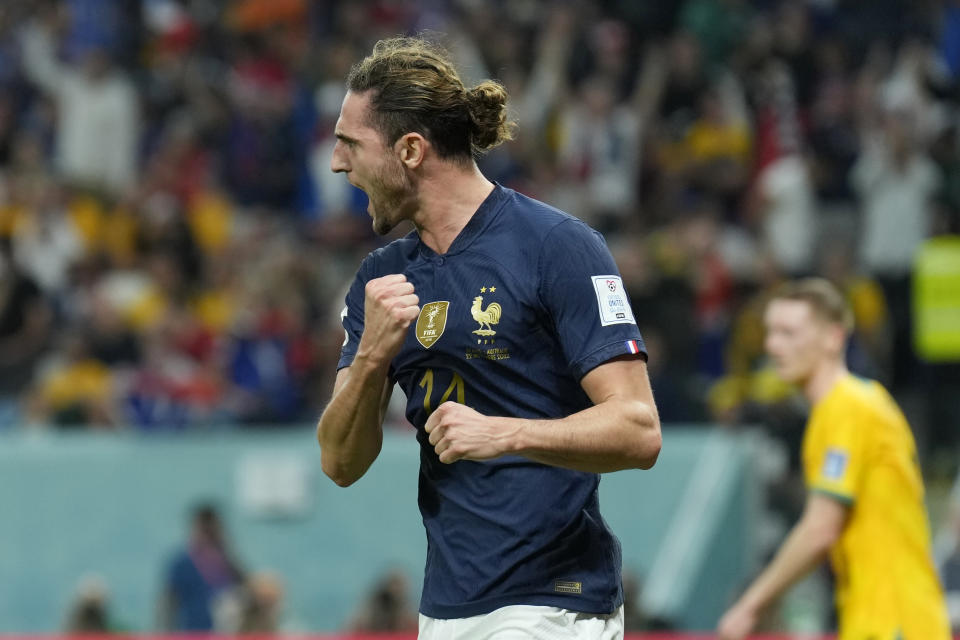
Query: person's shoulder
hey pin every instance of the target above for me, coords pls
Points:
(534, 210)
(878, 401)
(537, 220)
(849, 394)
(864, 400)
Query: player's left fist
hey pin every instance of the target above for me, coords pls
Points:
(457, 432)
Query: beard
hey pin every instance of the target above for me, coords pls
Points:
(391, 197)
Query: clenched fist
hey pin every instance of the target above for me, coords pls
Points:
(390, 305)
(458, 432)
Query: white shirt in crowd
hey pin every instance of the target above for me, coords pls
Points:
(896, 207)
(790, 222)
(97, 119)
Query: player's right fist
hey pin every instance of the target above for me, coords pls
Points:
(390, 305)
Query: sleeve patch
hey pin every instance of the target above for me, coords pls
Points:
(835, 464)
(612, 301)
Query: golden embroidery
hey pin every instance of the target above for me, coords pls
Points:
(431, 322)
(486, 317)
(568, 586)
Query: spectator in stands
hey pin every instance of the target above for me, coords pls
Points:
(26, 320)
(262, 154)
(46, 242)
(74, 389)
(262, 604)
(896, 181)
(90, 610)
(599, 130)
(98, 120)
(387, 608)
(197, 575)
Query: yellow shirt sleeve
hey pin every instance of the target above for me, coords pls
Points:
(836, 458)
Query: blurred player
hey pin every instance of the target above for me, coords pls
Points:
(506, 324)
(865, 502)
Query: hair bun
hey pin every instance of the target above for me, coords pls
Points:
(487, 104)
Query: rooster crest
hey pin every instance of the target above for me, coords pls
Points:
(486, 317)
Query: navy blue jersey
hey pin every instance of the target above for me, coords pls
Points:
(526, 301)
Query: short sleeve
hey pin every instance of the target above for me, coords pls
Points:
(351, 316)
(836, 463)
(583, 293)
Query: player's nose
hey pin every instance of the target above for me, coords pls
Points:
(338, 163)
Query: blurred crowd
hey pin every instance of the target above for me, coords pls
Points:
(174, 248)
(204, 587)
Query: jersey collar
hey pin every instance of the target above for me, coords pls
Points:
(482, 217)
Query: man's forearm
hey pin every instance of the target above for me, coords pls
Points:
(350, 431)
(804, 549)
(613, 435)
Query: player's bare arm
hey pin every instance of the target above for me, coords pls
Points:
(350, 431)
(621, 430)
(806, 546)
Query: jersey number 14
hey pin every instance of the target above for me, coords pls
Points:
(456, 384)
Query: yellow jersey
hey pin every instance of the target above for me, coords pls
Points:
(858, 449)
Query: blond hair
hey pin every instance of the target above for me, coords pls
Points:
(417, 89)
(825, 300)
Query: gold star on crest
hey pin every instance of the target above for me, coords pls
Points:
(483, 289)
(492, 289)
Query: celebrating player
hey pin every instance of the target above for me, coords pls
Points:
(865, 503)
(506, 324)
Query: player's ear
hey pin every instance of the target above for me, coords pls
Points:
(411, 148)
(838, 337)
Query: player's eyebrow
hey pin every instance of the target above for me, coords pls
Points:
(345, 138)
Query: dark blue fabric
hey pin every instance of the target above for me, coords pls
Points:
(505, 531)
(94, 24)
(258, 365)
(950, 40)
(192, 594)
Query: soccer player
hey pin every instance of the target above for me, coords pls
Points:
(505, 323)
(865, 502)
